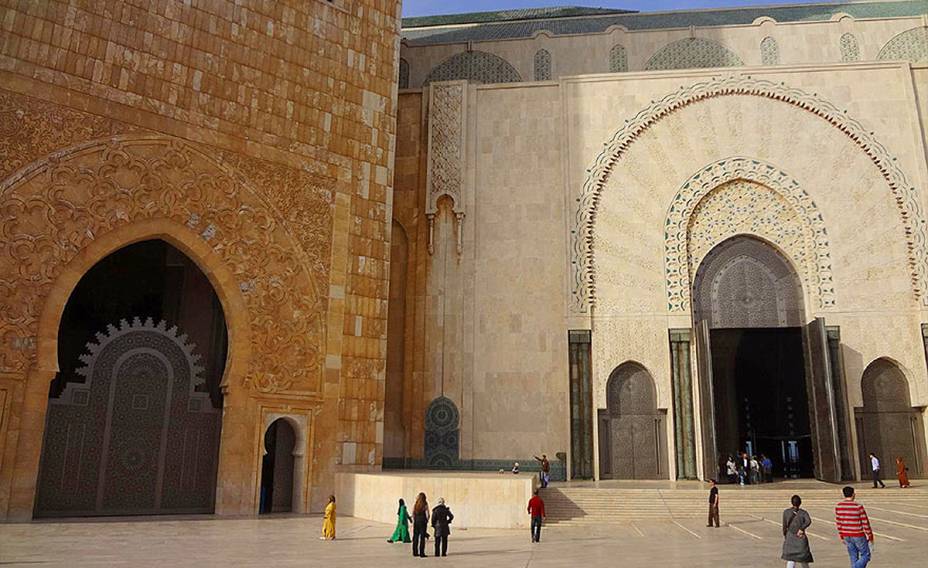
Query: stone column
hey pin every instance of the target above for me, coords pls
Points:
(682, 380)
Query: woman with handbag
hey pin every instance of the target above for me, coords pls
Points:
(796, 549)
(902, 473)
(420, 525)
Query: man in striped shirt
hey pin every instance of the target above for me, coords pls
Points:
(854, 528)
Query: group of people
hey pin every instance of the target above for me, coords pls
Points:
(440, 517)
(749, 469)
(850, 517)
(902, 472)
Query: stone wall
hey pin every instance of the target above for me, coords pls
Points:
(258, 138)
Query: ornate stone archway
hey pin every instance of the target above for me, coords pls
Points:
(583, 270)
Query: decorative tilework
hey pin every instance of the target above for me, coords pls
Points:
(404, 74)
(693, 53)
(542, 65)
(850, 50)
(474, 66)
(618, 59)
(769, 51)
(744, 196)
(910, 45)
(442, 440)
(583, 281)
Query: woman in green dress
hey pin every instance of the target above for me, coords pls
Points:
(401, 534)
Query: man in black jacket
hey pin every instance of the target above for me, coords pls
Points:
(441, 523)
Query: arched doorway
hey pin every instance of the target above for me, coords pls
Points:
(887, 424)
(631, 428)
(747, 304)
(134, 415)
(277, 468)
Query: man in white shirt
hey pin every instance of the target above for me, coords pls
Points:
(875, 466)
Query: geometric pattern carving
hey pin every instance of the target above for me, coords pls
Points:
(445, 173)
(693, 53)
(744, 196)
(769, 51)
(850, 50)
(403, 81)
(136, 436)
(542, 65)
(442, 436)
(583, 281)
(476, 67)
(618, 59)
(55, 207)
(910, 45)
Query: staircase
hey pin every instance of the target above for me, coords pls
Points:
(587, 506)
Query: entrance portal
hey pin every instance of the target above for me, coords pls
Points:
(277, 468)
(134, 415)
(764, 379)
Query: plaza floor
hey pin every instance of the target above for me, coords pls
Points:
(900, 518)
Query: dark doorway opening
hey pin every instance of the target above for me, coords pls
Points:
(277, 468)
(761, 401)
(135, 413)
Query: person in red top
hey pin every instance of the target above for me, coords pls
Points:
(854, 528)
(536, 508)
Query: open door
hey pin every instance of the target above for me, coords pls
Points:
(822, 403)
(710, 458)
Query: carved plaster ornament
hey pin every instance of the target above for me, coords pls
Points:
(445, 172)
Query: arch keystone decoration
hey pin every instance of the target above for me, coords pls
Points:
(583, 280)
(813, 257)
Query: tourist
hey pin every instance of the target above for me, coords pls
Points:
(713, 504)
(536, 508)
(420, 525)
(401, 533)
(796, 544)
(875, 467)
(441, 522)
(744, 468)
(515, 467)
(731, 470)
(328, 520)
(902, 473)
(545, 474)
(755, 470)
(767, 464)
(854, 528)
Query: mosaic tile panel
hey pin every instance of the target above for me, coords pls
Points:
(474, 66)
(542, 65)
(693, 53)
(618, 59)
(442, 436)
(769, 51)
(910, 45)
(850, 50)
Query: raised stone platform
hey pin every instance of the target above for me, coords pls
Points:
(478, 500)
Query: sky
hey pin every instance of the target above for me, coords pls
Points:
(433, 7)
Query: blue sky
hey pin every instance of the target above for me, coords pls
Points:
(432, 7)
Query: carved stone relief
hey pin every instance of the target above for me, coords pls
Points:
(582, 267)
(850, 50)
(693, 53)
(445, 172)
(56, 206)
(474, 66)
(769, 51)
(910, 45)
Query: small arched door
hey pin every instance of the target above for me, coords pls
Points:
(631, 428)
(887, 424)
(277, 468)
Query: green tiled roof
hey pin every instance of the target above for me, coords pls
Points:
(524, 27)
(509, 15)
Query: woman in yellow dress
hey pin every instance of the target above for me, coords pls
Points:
(328, 522)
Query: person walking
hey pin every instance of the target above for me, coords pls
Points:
(796, 549)
(441, 522)
(755, 470)
(713, 504)
(545, 474)
(902, 473)
(854, 528)
(420, 525)
(744, 468)
(875, 466)
(536, 508)
(731, 470)
(328, 520)
(767, 465)
(401, 532)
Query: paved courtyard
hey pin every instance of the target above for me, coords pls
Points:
(900, 520)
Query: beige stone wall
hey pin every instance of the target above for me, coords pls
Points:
(281, 117)
(799, 43)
